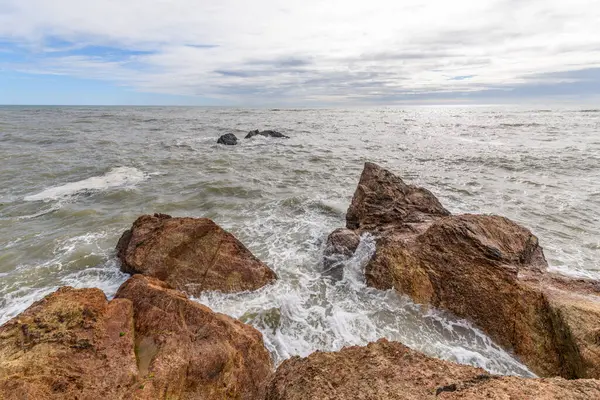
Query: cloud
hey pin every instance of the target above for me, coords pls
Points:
(305, 51)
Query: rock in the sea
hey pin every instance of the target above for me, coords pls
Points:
(484, 268)
(267, 133)
(187, 351)
(73, 344)
(389, 370)
(191, 254)
(228, 139)
(341, 245)
(150, 342)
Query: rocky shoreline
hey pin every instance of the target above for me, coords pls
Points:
(152, 342)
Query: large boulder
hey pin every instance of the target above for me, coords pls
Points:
(187, 351)
(267, 133)
(228, 139)
(390, 370)
(191, 254)
(150, 342)
(73, 344)
(487, 269)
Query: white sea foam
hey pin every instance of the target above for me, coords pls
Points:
(116, 177)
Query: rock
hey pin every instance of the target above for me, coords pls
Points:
(73, 344)
(341, 245)
(187, 351)
(383, 199)
(390, 370)
(487, 269)
(267, 133)
(191, 254)
(150, 342)
(228, 139)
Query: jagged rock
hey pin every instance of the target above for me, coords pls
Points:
(389, 370)
(187, 351)
(150, 342)
(484, 268)
(382, 199)
(267, 133)
(228, 139)
(341, 245)
(73, 344)
(191, 254)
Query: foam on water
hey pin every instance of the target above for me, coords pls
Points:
(116, 177)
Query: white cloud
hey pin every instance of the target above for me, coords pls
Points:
(311, 49)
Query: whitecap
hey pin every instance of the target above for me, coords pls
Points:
(116, 177)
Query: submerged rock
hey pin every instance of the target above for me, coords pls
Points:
(150, 342)
(267, 133)
(191, 254)
(341, 245)
(187, 351)
(73, 344)
(390, 370)
(484, 268)
(228, 139)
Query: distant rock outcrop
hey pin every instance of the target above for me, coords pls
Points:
(267, 133)
(391, 371)
(191, 254)
(228, 139)
(484, 268)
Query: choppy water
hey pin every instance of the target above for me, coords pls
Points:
(72, 179)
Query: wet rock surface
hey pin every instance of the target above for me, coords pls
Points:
(390, 370)
(341, 245)
(487, 269)
(267, 133)
(191, 254)
(228, 139)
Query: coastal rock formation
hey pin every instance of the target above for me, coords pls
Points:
(73, 344)
(341, 245)
(187, 351)
(228, 139)
(150, 342)
(267, 133)
(390, 370)
(191, 254)
(487, 269)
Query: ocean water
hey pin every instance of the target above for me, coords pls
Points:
(72, 179)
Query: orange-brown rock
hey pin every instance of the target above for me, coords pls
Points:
(73, 344)
(191, 254)
(484, 268)
(341, 245)
(187, 351)
(389, 370)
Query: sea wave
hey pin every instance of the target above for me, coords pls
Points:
(116, 177)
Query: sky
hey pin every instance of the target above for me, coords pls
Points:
(298, 52)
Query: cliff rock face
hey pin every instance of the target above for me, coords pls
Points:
(150, 342)
(191, 254)
(484, 268)
(389, 370)
(187, 351)
(73, 344)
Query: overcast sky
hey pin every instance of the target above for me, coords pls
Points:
(292, 52)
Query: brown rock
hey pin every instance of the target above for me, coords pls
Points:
(191, 254)
(73, 344)
(390, 370)
(187, 351)
(382, 199)
(341, 245)
(484, 268)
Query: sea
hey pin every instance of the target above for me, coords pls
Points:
(72, 179)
